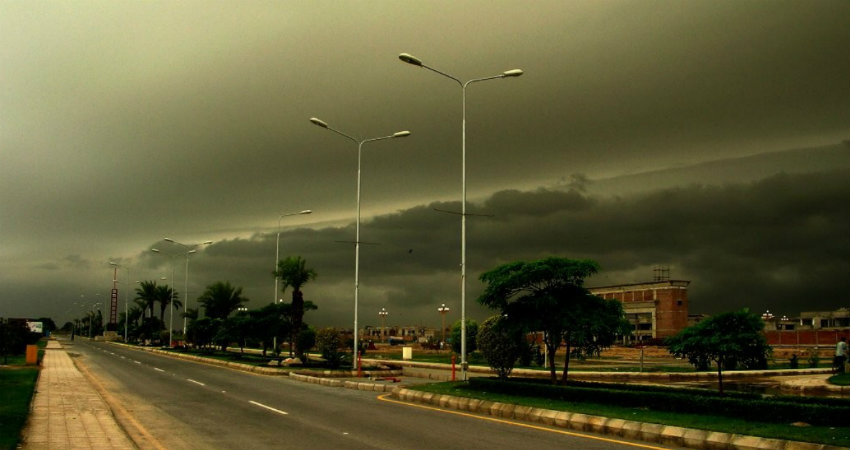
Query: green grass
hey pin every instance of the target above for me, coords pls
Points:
(820, 434)
(840, 380)
(17, 385)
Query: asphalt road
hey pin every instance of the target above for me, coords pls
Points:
(180, 404)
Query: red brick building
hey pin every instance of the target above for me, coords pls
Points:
(656, 309)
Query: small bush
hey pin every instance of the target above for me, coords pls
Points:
(794, 362)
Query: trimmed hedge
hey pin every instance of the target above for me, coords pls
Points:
(744, 406)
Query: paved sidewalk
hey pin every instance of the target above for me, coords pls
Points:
(67, 413)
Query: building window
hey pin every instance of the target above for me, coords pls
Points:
(679, 302)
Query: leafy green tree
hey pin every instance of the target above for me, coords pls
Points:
(501, 344)
(540, 295)
(722, 339)
(221, 299)
(471, 333)
(293, 272)
(147, 295)
(593, 325)
(271, 323)
(329, 342)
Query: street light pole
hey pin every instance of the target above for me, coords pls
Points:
(410, 59)
(398, 134)
(277, 248)
(189, 250)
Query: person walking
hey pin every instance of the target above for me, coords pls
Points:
(840, 355)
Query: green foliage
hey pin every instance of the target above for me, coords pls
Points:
(471, 333)
(329, 342)
(501, 344)
(220, 299)
(293, 271)
(548, 295)
(814, 360)
(726, 340)
(14, 338)
(147, 295)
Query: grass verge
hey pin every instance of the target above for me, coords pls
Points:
(839, 436)
(16, 389)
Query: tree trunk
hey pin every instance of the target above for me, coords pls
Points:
(720, 377)
(566, 361)
(550, 349)
(297, 318)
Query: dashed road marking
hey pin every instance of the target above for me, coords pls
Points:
(268, 407)
(196, 382)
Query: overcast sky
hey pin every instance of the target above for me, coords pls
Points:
(641, 133)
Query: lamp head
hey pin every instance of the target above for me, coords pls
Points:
(512, 73)
(168, 240)
(410, 59)
(318, 122)
(207, 242)
(155, 250)
(401, 134)
(306, 211)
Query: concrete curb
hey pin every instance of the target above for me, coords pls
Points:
(347, 384)
(629, 429)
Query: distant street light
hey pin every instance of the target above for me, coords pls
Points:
(277, 248)
(189, 250)
(323, 124)
(410, 59)
(443, 310)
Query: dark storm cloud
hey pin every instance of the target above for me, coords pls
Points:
(779, 243)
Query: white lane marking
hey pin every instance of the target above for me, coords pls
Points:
(268, 407)
(137, 362)
(158, 369)
(123, 357)
(196, 382)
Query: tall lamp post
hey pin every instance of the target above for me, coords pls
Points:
(171, 301)
(126, 297)
(189, 250)
(443, 310)
(359, 143)
(410, 59)
(383, 313)
(277, 248)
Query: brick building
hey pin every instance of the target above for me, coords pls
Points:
(656, 309)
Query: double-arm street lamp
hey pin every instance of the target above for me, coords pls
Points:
(359, 143)
(410, 59)
(189, 250)
(277, 248)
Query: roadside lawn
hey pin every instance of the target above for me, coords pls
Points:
(839, 436)
(17, 384)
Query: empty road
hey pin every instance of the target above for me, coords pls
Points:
(171, 404)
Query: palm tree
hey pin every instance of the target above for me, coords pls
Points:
(293, 271)
(164, 297)
(146, 294)
(221, 299)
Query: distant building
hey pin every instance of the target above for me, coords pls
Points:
(656, 309)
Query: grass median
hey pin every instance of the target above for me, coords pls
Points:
(838, 436)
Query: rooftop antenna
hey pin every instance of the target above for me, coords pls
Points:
(660, 273)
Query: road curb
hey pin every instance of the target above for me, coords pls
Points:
(629, 429)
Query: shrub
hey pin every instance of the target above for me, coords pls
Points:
(329, 341)
(814, 360)
(500, 344)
